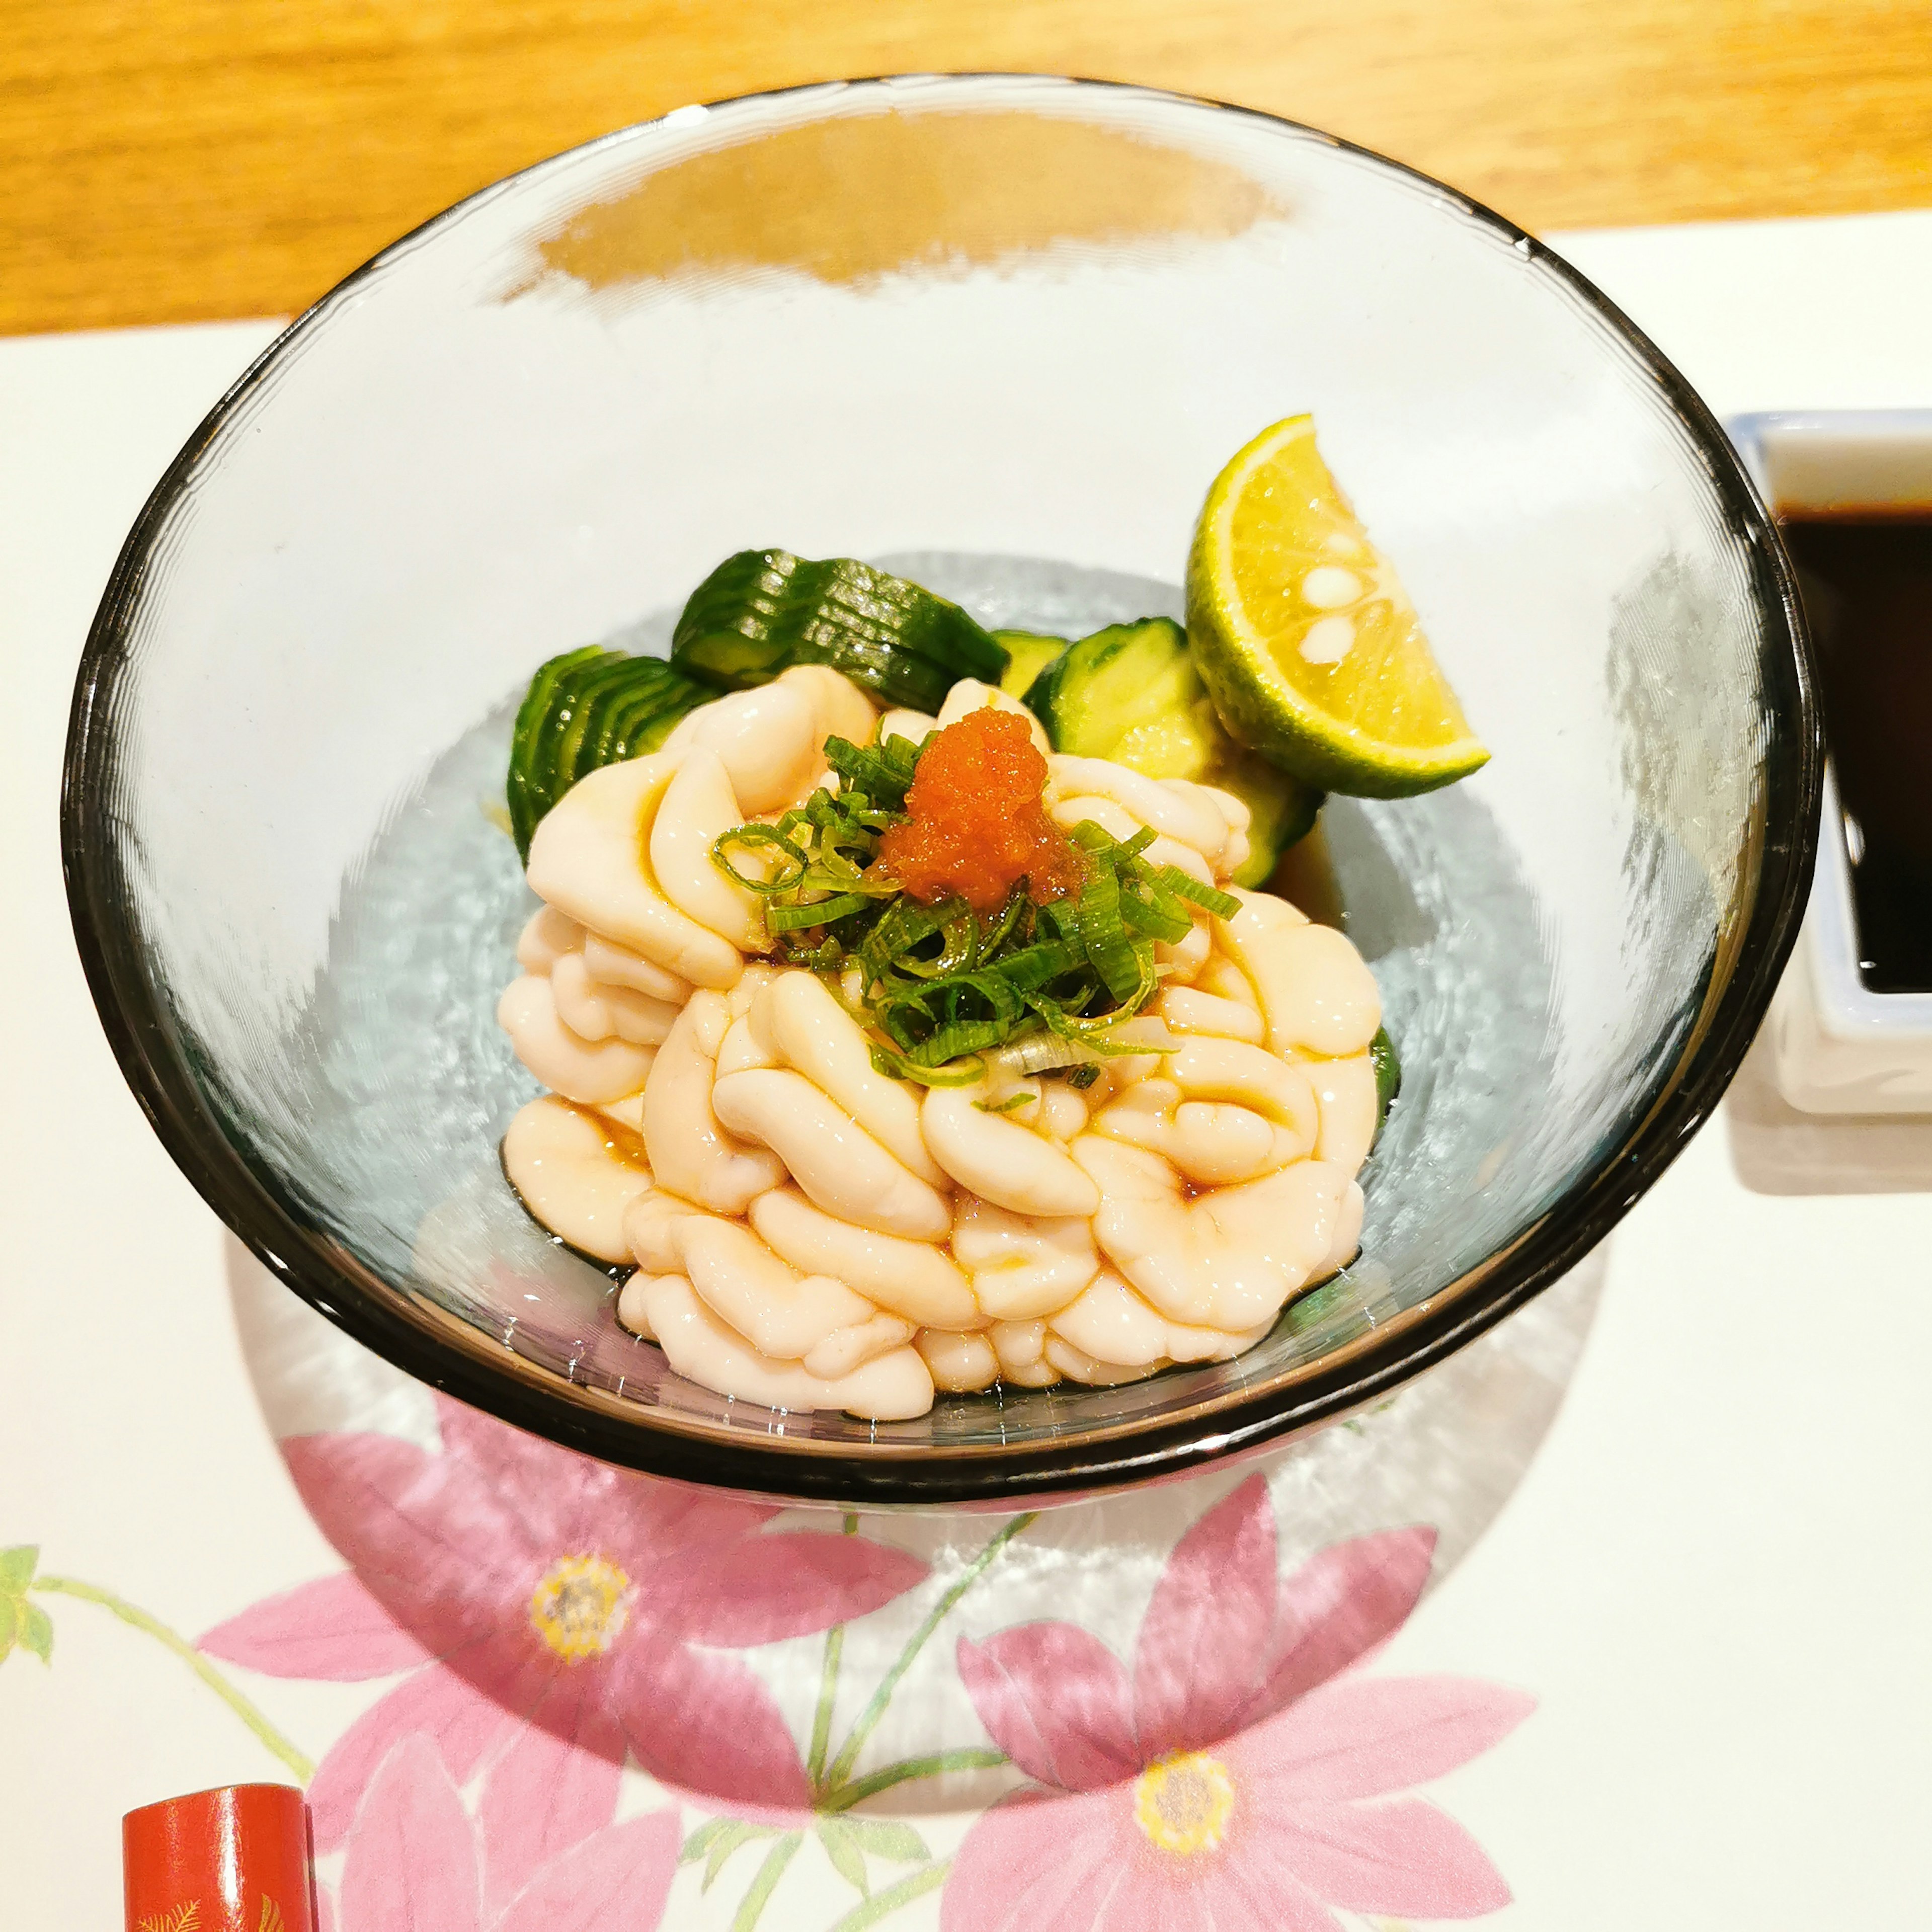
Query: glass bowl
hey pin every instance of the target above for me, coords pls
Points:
(999, 333)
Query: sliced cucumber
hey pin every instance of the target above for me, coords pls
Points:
(585, 708)
(763, 611)
(627, 719)
(1129, 689)
(1383, 1057)
(1132, 693)
(1281, 809)
(590, 695)
(536, 721)
(1029, 653)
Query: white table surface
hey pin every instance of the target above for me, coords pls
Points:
(1714, 1575)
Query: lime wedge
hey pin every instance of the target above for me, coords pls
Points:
(1308, 644)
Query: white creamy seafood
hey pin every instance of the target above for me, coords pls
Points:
(810, 1231)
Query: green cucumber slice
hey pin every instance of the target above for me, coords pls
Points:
(1383, 1057)
(1132, 693)
(637, 716)
(588, 696)
(534, 719)
(644, 726)
(585, 708)
(1281, 810)
(648, 733)
(1028, 652)
(653, 686)
(761, 611)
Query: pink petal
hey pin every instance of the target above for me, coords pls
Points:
(1205, 1637)
(1361, 1736)
(1194, 1905)
(441, 1550)
(331, 1629)
(645, 1522)
(1208, 1891)
(702, 1721)
(566, 1503)
(1338, 1606)
(508, 1458)
(1256, 1887)
(762, 1589)
(436, 1703)
(1057, 1701)
(554, 1786)
(616, 1881)
(1405, 1858)
(1037, 1863)
(411, 1861)
(572, 1505)
(325, 1910)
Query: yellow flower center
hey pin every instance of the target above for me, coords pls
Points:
(1183, 1803)
(580, 1606)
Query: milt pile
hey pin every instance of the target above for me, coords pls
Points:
(907, 1036)
(813, 1231)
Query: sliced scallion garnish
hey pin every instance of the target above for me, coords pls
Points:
(1047, 988)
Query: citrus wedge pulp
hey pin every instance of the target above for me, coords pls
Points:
(1306, 640)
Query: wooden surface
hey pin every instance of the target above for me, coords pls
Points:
(169, 161)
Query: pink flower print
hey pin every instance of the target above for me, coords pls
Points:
(1221, 1787)
(551, 1613)
(412, 1856)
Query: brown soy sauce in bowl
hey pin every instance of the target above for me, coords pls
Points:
(1865, 574)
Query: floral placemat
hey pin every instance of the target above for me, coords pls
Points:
(602, 1700)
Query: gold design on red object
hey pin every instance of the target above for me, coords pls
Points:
(183, 1919)
(272, 1920)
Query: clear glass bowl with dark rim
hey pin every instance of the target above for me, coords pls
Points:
(1004, 330)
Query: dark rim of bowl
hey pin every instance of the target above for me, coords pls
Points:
(432, 1346)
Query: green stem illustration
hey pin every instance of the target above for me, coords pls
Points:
(828, 1687)
(762, 1887)
(916, 1885)
(868, 1718)
(843, 1797)
(301, 1767)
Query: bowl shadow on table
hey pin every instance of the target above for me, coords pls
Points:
(1775, 1149)
(1446, 1450)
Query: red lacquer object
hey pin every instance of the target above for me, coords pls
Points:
(232, 1860)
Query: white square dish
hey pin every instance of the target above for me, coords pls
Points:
(1837, 1046)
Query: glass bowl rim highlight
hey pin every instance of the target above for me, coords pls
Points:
(434, 1345)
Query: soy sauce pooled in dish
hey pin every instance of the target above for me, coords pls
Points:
(1866, 577)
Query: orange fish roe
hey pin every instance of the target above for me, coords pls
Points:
(978, 824)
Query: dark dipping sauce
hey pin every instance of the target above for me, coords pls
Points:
(1866, 578)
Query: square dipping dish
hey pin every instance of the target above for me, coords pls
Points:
(1851, 1025)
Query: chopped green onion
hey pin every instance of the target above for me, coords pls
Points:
(1046, 988)
(1007, 1106)
(1043, 1053)
(1148, 912)
(896, 1067)
(759, 838)
(1108, 947)
(816, 912)
(883, 771)
(1209, 899)
(997, 934)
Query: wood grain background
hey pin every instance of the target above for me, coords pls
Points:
(171, 161)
